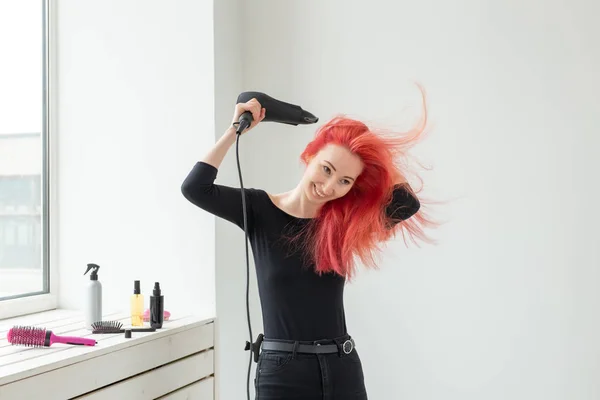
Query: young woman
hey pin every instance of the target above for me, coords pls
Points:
(352, 197)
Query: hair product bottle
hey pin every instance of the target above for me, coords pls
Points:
(137, 305)
(157, 307)
(92, 311)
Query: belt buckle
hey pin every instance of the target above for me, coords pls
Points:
(348, 346)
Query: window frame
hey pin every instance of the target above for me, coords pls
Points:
(48, 298)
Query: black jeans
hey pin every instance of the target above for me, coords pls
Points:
(285, 375)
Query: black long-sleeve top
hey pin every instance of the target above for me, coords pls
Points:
(296, 302)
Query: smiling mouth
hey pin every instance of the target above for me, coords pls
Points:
(317, 192)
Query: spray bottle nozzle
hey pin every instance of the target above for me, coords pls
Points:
(156, 291)
(94, 274)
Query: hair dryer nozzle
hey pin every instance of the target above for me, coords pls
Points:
(309, 118)
(277, 110)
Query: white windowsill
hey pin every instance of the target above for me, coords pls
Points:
(185, 344)
(26, 305)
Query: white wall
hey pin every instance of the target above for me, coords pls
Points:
(135, 111)
(504, 307)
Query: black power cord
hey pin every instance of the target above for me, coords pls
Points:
(249, 344)
(279, 112)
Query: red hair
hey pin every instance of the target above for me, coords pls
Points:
(354, 225)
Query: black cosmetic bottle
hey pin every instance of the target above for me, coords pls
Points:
(157, 307)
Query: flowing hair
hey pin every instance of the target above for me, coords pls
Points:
(353, 226)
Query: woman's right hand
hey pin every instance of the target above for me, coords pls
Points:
(258, 113)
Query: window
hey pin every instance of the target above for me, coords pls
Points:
(24, 168)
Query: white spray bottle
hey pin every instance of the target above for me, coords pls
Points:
(92, 310)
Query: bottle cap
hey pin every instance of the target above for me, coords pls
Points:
(127, 333)
(156, 291)
(136, 287)
(94, 274)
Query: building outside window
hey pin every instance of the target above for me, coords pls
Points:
(24, 93)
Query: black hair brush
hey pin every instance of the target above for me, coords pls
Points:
(115, 327)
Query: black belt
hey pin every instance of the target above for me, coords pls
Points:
(346, 346)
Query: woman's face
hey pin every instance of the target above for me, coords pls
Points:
(331, 173)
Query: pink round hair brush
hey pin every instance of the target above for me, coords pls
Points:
(40, 337)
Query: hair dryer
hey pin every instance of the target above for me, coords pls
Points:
(275, 111)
